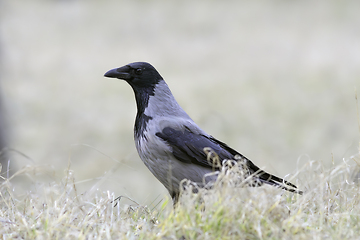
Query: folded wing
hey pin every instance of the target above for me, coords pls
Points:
(188, 147)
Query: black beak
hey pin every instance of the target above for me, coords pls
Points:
(120, 73)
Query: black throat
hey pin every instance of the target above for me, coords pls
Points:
(142, 97)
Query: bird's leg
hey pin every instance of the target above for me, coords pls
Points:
(175, 197)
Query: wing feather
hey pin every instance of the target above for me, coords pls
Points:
(188, 147)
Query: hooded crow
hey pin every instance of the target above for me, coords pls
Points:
(169, 142)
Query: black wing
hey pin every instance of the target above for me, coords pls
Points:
(188, 147)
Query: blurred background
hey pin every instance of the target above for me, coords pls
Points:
(275, 80)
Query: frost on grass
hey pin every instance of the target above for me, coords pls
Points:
(329, 208)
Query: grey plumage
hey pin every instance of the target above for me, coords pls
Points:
(168, 141)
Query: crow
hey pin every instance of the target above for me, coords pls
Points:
(170, 143)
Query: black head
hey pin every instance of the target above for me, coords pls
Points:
(140, 75)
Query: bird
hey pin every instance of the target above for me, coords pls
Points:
(170, 143)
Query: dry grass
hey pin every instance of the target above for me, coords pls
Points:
(329, 208)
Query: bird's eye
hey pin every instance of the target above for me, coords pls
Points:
(138, 71)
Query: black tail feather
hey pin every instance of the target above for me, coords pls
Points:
(267, 178)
